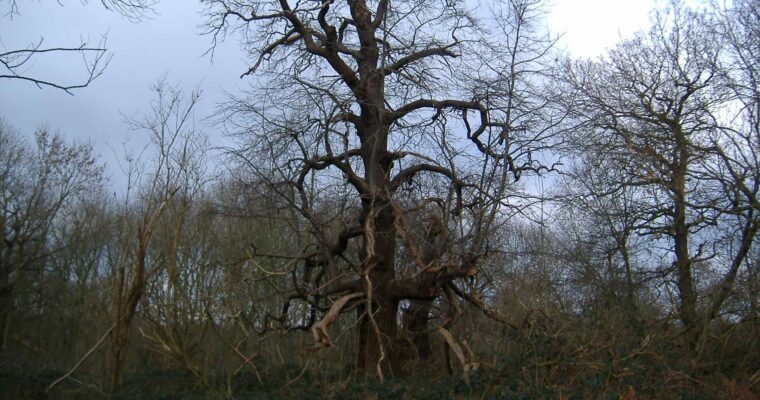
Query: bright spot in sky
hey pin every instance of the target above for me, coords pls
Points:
(590, 27)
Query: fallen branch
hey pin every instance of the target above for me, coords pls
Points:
(489, 311)
(83, 359)
(466, 360)
(236, 349)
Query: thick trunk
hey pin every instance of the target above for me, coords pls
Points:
(376, 353)
(378, 327)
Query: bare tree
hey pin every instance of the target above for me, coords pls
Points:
(36, 184)
(134, 9)
(185, 273)
(152, 187)
(737, 168)
(171, 127)
(378, 101)
(600, 214)
(95, 59)
(653, 108)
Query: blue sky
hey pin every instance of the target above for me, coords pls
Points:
(168, 43)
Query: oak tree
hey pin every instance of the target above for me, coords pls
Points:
(396, 131)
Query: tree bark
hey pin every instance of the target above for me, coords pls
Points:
(685, 281)
(378, 327)
(126, 307)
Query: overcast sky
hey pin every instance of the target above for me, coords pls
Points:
(168, 43)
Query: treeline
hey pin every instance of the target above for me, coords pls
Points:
(386, 237)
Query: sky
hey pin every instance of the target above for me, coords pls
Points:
(589, 27)
(169, 44)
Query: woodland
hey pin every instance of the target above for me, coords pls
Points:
(422, 199)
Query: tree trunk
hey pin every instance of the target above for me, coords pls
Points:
(6, 293)
(118, 343)
(376, 353)
(126, 307)
(378, 326)
(378, 331)
(416, 326)
(687, 294)
(6, 290)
